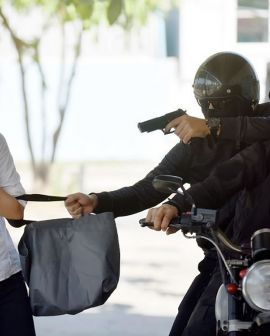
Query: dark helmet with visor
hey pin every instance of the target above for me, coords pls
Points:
(227, 79)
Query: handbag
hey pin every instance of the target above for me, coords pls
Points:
(69, 264)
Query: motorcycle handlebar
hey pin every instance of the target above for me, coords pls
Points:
(189, 222)
(200, 222)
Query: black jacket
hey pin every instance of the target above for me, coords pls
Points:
(244, 182)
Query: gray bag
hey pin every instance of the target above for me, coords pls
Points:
(70, 264)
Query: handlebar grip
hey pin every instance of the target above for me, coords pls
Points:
(143, 222)
(175, 223)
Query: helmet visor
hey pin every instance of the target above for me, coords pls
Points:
(206, 85)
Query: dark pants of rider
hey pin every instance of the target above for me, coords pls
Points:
(196, 313)
(15, 311)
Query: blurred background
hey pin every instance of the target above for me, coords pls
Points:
(76, 77)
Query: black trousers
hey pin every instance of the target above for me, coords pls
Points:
(15, 311)
(196, 312)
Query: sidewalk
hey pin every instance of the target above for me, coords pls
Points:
(104, 323)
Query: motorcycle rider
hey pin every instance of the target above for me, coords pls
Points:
(227, 89)
(242, 183)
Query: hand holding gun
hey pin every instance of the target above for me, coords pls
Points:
(160, 123)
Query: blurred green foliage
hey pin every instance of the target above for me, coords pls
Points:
(92, 12)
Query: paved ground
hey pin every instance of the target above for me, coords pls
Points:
(155, 272)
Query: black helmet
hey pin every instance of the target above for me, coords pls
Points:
(226, 77)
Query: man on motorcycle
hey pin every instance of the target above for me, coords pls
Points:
(238, 187)
(227, 89)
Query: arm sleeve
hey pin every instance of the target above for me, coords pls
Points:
(245, 170)
(247, 129)
(9, 177)
(142, 195)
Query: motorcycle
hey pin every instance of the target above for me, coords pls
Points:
(242, 306)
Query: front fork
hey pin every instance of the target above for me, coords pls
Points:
(237, 322)
(230, 313)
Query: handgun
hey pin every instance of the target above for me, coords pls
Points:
(160, 123)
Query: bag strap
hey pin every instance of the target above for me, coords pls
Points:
(33, 198)
(40, 198)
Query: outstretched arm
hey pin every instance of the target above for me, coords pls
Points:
(137, 197)
(243, 129)
(247, 129)
(246, 169)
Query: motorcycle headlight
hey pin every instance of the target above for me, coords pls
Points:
(256, 286)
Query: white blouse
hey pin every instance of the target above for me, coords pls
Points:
(10, 182)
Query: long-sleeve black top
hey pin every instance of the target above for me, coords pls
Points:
(246, 129)
(245, 170)
(192, 162)
(244, 181)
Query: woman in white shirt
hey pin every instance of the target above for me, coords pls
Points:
(15, 312)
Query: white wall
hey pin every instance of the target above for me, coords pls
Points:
(209, 26)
